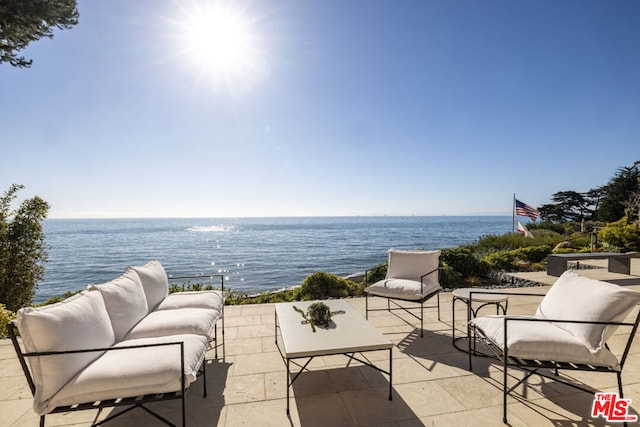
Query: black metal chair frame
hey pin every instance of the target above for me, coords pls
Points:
(532, 366)
(420, 301)
(132, 402)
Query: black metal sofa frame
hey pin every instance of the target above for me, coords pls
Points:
(132, 402)
(534, 366)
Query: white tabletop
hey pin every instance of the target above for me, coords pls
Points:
(347, 333)
(464, 294)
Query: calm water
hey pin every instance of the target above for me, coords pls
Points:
(255, 254)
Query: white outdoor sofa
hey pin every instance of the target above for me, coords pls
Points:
(126, 342)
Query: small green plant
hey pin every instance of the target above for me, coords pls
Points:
(318, 314)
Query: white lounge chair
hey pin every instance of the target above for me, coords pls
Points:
(569, 331)
(412, 276)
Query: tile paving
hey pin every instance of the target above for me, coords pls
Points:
(432, 385)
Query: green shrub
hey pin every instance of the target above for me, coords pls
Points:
(459, 265)
(188, 286)
(5, 317)
(377, 273)
(622, 234)
(23, 252)
(464, 261)
(519, 259)
(321, 285)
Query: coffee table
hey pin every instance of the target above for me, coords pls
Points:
(347, 334)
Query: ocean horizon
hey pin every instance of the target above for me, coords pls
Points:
(254, 254)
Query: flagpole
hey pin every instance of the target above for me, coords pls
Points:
(513, 217)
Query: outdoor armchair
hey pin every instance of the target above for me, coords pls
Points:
(569, 331)
(412, 276)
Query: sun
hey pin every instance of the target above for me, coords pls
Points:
(220, 42)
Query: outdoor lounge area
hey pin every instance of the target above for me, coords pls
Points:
(432, 384)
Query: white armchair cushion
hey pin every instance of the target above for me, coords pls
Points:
(542, 341)
(193, 299)
(402, 289)
(574, 297)
(125, 302)
(404, 275)
(135, 372)
(79, 322)
(181, 321)
(413, 264)
(154, 282)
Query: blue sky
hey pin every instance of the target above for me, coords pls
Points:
(332, 107)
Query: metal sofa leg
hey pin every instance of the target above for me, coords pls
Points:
(204, 376)
(366, 306)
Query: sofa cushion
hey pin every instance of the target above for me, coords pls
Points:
(402, 289)
(193, 299)
(197, 321)
(154, 282)
(125, 302)
(78, 322)
(574, 297)
(542, 341)
(135, 372)
(413, 264)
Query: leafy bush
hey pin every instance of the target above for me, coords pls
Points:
(459, 265)
(377, 273)
(519, 259)
(22, 248)
(321, 285)
(54, 300)
(5, 317)
(188, 286)
(622, 234)
(463, 260)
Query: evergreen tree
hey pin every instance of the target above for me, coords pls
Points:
(24, 21)
(618, 192)
(568, 206)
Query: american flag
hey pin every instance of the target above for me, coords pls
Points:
(523, 209)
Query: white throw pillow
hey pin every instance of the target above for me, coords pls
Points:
(79, 322)
(198, 321)
(125, 302)
(193, 299)
(574, 297)
(542, 341)
(413, 264)
(154, 282)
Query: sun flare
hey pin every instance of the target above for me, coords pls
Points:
(219, 41)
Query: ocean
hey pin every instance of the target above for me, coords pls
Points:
(254, 254)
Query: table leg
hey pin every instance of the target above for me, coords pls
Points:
(288, 385)
(390, 373)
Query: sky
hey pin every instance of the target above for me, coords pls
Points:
(195, 108)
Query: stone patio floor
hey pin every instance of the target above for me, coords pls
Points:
(432, 385)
